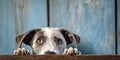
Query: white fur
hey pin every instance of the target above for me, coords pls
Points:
(50, 44)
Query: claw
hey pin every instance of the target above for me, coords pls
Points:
(65, 52)
(71, 51)
(21, 51)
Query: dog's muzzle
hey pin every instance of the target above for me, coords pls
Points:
(50, 53)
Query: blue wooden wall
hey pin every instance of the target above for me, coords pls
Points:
(118, 25)
(93, 20)
(18, 16)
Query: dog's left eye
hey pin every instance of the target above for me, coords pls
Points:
(58, 41)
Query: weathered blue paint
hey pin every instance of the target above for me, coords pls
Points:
(7, 28)
(118, 33)
(93, 20)
(19, 16)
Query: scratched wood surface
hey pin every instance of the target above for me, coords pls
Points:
(118, 33)
(93, 20)
(19, 16)
(82, 57)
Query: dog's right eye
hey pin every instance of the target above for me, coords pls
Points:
(40, 41)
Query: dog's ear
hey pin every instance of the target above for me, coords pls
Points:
(70, 37)
(26, 37)
(77, 38)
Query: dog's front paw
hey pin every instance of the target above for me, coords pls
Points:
(71, 51)
(21, 51)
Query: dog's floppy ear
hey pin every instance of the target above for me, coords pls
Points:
(25, 37)
(77, 38)
(70, 37)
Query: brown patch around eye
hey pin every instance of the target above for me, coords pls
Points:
(41, 40)
(58, 41)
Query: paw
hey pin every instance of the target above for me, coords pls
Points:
(21, 51)
(71, 51)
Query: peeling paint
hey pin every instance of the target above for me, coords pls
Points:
(21, 18)
(93, 4)
(68, 6)
(79, 10)
(87, 18)
(21, 13)
(16, 25)
(15, 18)
(110, 42)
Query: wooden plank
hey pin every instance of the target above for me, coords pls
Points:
(7, 28)
(93, 20)
(84, 57)
(19, 16)
(30, 14)
(118, 26)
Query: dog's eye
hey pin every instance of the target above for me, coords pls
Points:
(40, 40)
(58, 41)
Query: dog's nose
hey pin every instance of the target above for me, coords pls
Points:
(50, 53)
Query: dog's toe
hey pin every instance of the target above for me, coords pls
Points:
(76, 52)
(21, 51)
(65, 52)
(15, 52)
(71, 51)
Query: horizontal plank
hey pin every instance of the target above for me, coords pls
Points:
(61, 57)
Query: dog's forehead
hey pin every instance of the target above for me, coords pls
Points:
(51, 31)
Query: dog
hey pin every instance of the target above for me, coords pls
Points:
(48, 41)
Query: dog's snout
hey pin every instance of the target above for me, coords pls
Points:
(50, 53)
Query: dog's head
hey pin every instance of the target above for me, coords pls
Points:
(47, 41)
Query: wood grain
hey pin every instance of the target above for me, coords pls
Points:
(83, 57)
(118, 27)
(92, 20)
(19, 16)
